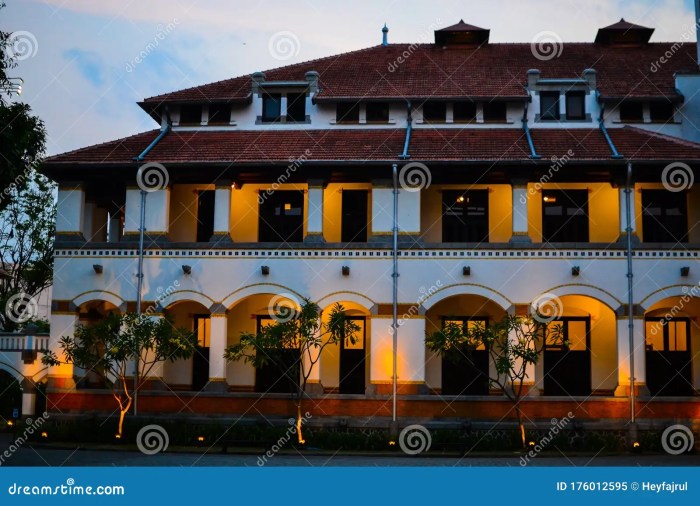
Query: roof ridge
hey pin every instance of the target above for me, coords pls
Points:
(91, 146)
(273, 69)
(658, 135)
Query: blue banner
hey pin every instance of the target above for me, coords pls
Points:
(311, 486)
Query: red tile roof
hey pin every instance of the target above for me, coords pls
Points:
(492, 70)
(495, 144)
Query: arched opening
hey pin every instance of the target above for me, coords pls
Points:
(584, 362)
(671, 334)
(468, 370)
(91, 313)
(345, 365)
(250, 315)
(191, 373)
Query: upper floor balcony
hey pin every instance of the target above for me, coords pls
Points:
(350, 214)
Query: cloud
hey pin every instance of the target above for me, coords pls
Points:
(89, 65)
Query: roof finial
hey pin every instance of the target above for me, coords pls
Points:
(385, 31)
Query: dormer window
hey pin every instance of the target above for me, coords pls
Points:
(377, 112)
(631, 112)
(191, 115)
(296, 107)
(494, 112)
(464, 112)
(219, 114)
(272, 107)
(434, 112)
(549, 105)
(347, 112)
(575, 105)
(661, 112)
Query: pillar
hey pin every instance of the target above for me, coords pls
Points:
(314, 214)
(382, 224)
(157, 219)
(623, 213)
(531, 385)
(520, 212)
(62, 324)
(70, 212)
(115, 228)
(218, 340)
(623, 356)
(152, 379)
(410, 363)
(222, 212)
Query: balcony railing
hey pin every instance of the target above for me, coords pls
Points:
(21, 342)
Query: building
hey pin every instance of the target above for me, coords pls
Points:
(513, 164)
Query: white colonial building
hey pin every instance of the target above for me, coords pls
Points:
(513, 166)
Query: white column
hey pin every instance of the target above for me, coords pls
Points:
(410, 363)
(623, 356)
(623, 211)
(70, 211)
(157, 212)
(283, 107)
(314, 213)
(88, 225)
(218, 340)
(520, 217)
(383, 211)
(62, 324)
(222, 212)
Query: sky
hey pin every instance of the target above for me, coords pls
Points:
(86, 63)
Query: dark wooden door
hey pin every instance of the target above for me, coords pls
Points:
(354, 219)
(466, 371)
(668, 357)
(200, 359)
(205, 215)
(567, 367)
(565, 216)
(352, 361)
(281, 216)
(281, 373)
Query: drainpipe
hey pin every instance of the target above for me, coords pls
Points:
(630, 287)
(533, 153)
(139, 272)
(395, 273)
(395, 279)
(601, 125)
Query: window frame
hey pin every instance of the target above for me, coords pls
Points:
(439, 118)
(555, 111)
(493, 104)
(625, 118)
(300, 98)
(265, 117)
(467, 118)
(191, 108)
(579, 95)
(353, 109)
(372, 105)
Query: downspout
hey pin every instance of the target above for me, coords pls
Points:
(601, 125)
(395, 271)
(630, 287)
(526, 127)
(139, 272)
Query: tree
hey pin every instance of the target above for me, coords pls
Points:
(22, 135)
(110, 348)
(27, 226)
(304, 334)
(515, 344)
